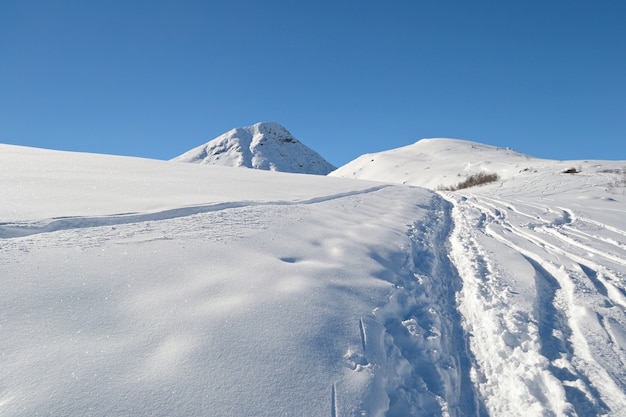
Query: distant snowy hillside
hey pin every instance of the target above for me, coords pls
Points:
(267, 146)
(135, 287)
(434, 162)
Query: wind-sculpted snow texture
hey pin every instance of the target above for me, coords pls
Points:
(147, 288)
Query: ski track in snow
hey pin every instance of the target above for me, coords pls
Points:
(14, 230)
(547, 358)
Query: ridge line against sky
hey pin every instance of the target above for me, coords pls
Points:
(157, 78)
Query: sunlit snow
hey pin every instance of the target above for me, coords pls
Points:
(267, 145)
(541, 259)
(141, 287)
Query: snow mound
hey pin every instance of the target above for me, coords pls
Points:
(266, 146)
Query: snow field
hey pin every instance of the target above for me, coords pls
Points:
(255, 306)
(138, 287)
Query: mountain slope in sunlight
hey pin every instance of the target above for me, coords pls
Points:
(151, 288)
(267, 146)
(541, 258)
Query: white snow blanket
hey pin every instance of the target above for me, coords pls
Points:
(151, 288)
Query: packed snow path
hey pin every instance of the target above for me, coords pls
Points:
(544, 304)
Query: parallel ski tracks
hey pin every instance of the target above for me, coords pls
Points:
(576, 272)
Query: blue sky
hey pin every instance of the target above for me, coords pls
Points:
(155, 78)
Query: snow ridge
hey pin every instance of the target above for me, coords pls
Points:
(21, 229)
(266, 146)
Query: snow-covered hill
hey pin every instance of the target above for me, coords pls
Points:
(267, 146)
(141, 287)
(436, 163)
(541, 260)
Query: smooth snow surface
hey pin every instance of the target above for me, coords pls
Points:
(150, 288)
(267, 146)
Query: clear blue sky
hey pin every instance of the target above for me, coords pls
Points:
(155, 78)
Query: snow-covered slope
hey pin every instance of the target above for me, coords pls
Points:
(434, 163)
(148, 288)
(267, 146)
(139, 287)
(541, 259)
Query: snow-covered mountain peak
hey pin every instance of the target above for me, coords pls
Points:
(266, 145)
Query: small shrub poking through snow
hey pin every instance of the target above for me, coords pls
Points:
(620, 182)
(481, 178)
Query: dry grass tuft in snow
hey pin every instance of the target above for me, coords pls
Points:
(472, 181)
(620, 182)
